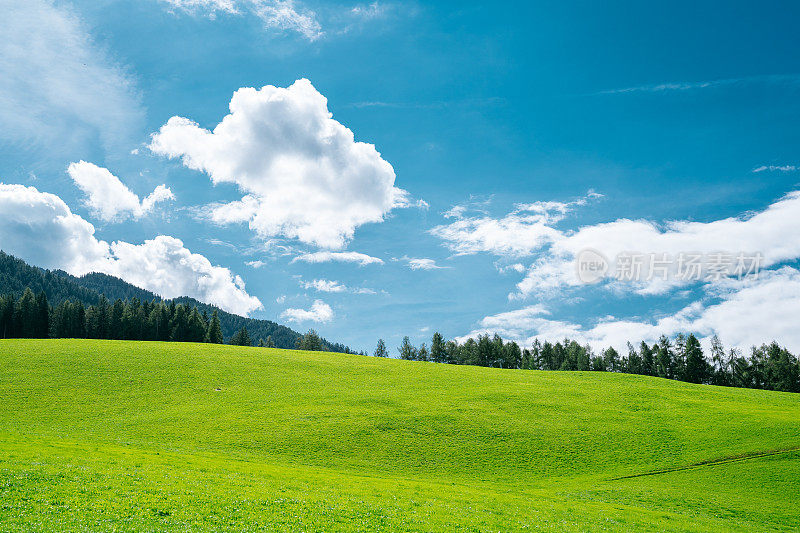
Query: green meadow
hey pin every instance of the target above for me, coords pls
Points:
(147, 436)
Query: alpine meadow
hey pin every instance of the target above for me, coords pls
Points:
(399, 266)
(148, 436)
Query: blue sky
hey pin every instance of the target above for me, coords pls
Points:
(652, 128)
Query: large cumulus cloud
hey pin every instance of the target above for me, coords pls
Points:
(302, 173)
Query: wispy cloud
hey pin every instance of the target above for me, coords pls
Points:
(58, 88)
(341, 257)
(465, 102)
(420, 263)
(326, 285)
(773, 79)
(776, 168)
(280, 15)
(370, 11)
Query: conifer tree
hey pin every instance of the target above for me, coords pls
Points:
(43, 316)
(422, 353)
(438, 354)
(611, 359)
(407, 350)
(241, 338)
(380, 349)
(664, 364)
(26, 315)
(648, 359)
(214, 329)
(696, 369)
(310, 342)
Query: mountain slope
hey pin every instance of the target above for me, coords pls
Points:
(16, 275)
(188, 437)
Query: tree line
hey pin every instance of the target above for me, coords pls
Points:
(16, 276)
(769, 366)
(31, 316)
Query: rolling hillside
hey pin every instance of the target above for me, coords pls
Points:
(112, 435)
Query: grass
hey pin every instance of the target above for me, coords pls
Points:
(136, 436)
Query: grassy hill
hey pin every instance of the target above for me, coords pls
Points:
(111, 435)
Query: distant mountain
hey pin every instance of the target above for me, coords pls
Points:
(16, 275)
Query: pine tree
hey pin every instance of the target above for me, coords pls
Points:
(611, 359)
(422, 353)
(269, 342)
(664, 363)
(215, 330)
(380, 349)
(43, 316)
(115, 321)
(696, 365)
(635, 364)
(92, 323)
(310, 342)
(438, 353)
(719, 362)
(26, 315)
(512, 355)
(407, 350)
(241, 338)
(180, 324)
(679, 358)
(648, 359)
(7, 304)
(196, 328)
(104, 315)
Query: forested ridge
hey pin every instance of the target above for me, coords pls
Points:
(63, 292)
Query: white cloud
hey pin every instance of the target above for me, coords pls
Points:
(747, 313)
(164, 266)
(421, 263)
(256, 264)
(774, 79)
(108, 198)
(366, 290)
(513, 235)
(763, 232)
(519, 268)
(281, 15)
(57, 88)
(776, 168)
(522, 232)
(341, 257)
(369, 11)
(204, 6)
(324, 285)
(302, 173)
(457, 211)
(319, 312)
(40, 228)
(530, 231)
